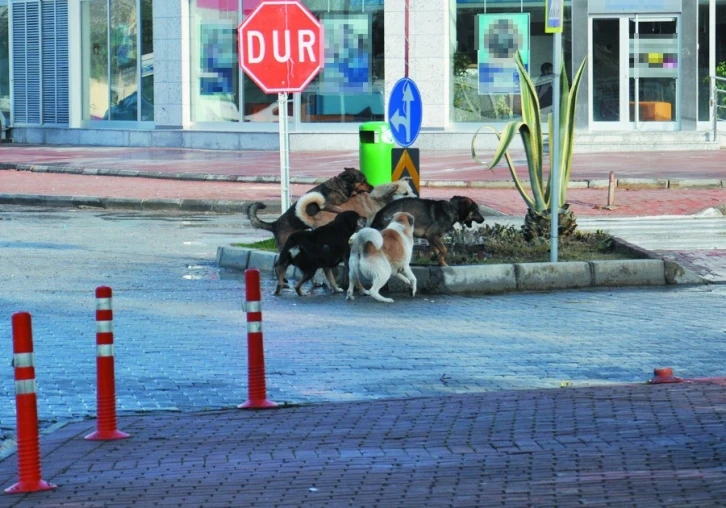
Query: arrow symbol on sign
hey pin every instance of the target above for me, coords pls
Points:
(404, 119)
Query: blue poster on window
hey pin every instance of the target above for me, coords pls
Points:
(347, 54)
(500, 37)
(218, 59)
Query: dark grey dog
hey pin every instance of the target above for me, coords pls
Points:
(433, 218)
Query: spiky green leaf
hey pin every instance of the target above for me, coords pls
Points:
(567, 129)
(530, 114)
(502, 151)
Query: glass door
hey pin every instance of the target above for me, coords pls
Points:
(634, 71)
(607, 73)
(653, 73)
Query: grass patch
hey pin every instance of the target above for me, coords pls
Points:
(505, 244)
(268, 244)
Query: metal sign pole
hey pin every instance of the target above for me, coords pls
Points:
(554, 11)
(304, 51)
(555, 155)
(284, 152)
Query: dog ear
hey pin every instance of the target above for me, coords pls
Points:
(462, 205)
(348, 175)
(390, 192)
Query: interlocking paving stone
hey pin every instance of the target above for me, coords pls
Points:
(618, 445)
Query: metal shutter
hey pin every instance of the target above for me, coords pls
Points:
(26, 61)
(55, 61)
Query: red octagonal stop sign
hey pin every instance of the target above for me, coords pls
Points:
(281, 46)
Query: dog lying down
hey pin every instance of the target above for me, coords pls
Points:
(325, 247)
(365, 204)
(378, 255)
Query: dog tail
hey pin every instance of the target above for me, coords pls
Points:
(369, 235)
(258, 223)
(301, 208)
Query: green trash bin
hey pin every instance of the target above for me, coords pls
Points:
(376, 143)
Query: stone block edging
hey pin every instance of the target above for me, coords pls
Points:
(502, 278)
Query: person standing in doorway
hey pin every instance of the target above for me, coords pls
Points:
(543, 85)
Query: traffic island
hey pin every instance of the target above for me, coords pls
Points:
(648, 270)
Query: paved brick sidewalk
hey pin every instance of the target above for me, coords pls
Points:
(590, 202)
(435, 164)
(651, 183)
(626, 445)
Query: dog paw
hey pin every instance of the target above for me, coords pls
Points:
(338, 290)
(382, 299)
(349, 297)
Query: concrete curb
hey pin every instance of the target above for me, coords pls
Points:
(503, 278)
(622, 183)
(185, 205)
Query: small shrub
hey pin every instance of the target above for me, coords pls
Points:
(506, 244)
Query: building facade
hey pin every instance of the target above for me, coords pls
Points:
(165, 73)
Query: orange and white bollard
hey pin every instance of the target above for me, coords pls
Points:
(664, 375)
(26, 409)
(105, 373)
(256, 386)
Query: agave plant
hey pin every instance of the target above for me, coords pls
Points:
(537, 221)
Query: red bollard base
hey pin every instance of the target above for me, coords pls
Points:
(257, 404)
(664, 375)
(36, 486)
(106, 435)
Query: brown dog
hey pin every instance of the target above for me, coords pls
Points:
(336, 190)
(434, 218)
(365, 204)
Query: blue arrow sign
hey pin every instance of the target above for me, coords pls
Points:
(405, 111)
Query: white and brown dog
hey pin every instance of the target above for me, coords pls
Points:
(379, 255)
(364, 204)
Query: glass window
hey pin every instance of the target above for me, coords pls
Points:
(147, 61)
(214, 63)
(653, 66)
(721, 55)
(4, 63)
(123, 61)
(96, 90)
(703, 60)
(488, 34)
(349, 89)
(111, 65)
(606, 69)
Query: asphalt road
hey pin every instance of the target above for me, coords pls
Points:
(180, 330)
